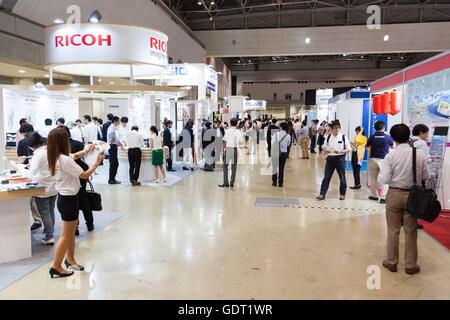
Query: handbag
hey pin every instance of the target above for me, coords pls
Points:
(354, 160)
(95, 199)
(422, 202)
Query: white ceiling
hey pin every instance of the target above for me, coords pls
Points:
(415, 37)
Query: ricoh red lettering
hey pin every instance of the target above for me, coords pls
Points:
(86, 39)
(72, 38)
(158, 44)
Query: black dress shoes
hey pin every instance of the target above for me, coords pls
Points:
(35, 226)
(56, 274)
(224, 185)
(90, 227)
(356, 187)
(114, 182)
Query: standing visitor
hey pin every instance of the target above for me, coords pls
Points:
(168, 142)
(75, 131)
(48, 127)
(188, 145)
(271, 130)
(304, 140)
(89, 130)
(280, 140)
(39, 173)
(231, 141)
(67, 174)
(321, 133)
(19, 137)
(379, 144)
(123, 130)
(157, 148)
(135, 143)
(99, 129)
(113, 141)
(206, 141)
(397, 173)
(106, 125)
(314, 135)
(336, 146)
(359, 145)
(25, 154)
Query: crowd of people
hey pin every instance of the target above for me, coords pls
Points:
(53, 156)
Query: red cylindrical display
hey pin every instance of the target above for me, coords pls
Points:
(385, 109)
(376, 104)
(395, 102)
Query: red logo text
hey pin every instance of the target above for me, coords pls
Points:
(78, 40)
(158, 44)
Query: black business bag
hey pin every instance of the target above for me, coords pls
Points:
(95, 199)
(422, 202)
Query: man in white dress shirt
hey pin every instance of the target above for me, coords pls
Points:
(336, 146)
(89, 130)
(420, 135)
(123, 130)
(135, 143)
(75, 130)
(397, 173)
(231, 141)
(48, 127)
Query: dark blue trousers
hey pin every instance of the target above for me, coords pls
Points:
(338, 163)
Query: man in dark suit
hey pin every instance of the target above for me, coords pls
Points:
(167, 141)
(106, 125)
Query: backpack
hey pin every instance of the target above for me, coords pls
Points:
(422, 202)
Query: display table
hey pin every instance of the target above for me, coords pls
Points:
(15, 234)
(147, 171)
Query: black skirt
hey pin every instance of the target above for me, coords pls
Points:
(68, 207)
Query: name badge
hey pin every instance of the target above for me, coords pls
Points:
(339, 141)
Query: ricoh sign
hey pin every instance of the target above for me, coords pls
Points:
(105, 49)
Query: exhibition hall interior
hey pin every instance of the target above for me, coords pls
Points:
(224, 150)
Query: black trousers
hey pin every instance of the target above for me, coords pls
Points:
(281, 164)
(356, 174)
(313, 144)
(134, 159)
(169, 160)
(83, 203)
(338, 163)
(113, 162)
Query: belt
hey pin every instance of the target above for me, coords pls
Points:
(402, 189)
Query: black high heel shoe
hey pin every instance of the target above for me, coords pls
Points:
(73, 266)
(55, 273)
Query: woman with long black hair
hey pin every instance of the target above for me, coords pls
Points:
(67, 172)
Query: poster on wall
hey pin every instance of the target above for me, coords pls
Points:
(36, 107)
(322, 97)
(429, 100)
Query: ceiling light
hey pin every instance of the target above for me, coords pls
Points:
(212, 2)
(111, 82)
(99, 80)
(199, 3)
(210, 18)
(345, 54)
(47, 76)
(22, 71)
(74, 84)
(307, 40)
(57, 20)
(95, 17)
(386, 37)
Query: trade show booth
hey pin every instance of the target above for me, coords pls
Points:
(423, 92)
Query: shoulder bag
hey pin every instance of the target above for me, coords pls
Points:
(95, 199)
(422, 202)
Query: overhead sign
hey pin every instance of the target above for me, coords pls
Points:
(105, 49)
(254, 105)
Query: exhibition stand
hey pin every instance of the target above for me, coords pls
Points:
(425, 91)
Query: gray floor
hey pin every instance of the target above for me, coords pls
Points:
(10, 272)
(275, 202)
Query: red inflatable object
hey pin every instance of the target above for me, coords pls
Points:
(376, 104)
(395, 102)
(385, 108)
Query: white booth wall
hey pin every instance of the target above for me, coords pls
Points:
(350, 114)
